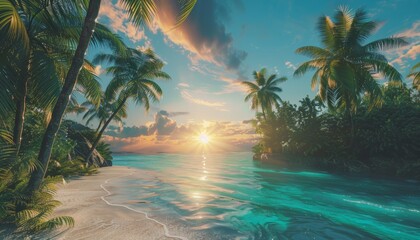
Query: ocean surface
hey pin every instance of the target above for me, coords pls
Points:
(230, 196)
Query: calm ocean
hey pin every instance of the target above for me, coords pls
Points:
(230, 196)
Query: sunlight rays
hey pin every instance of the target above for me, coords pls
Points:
(204, 138)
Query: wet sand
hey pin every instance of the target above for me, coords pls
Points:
(88, 201)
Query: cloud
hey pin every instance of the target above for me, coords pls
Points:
(163, 125)
(98, 70)
(147, 45)
(186, 95)
(407, 53)
(225, 136)
(183, 84)
(233, 85)
(127, 131)
(250, 121)
(174, 114)
(412, 50)
(290, 65)
(119, 20)
(413, 32)
(203, 34)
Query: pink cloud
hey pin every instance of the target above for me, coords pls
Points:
(187, 96)
(183, 84)
(119, 20)
(224, 136)
(411, 51)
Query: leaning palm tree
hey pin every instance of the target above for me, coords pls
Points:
(345, 67)
(133, 75)
(140, 11)
(264, 92)
(415, 75)
(40, 58)
(103, 112)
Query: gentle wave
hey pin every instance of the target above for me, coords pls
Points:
(232, 197)
(165, 227)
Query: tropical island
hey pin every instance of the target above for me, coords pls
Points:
(71, 167)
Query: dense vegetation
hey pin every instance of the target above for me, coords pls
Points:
(43, 76)
(354, 124)
(385, 141)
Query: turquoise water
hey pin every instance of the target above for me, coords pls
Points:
(233, 197)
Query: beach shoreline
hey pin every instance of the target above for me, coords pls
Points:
(86, 199)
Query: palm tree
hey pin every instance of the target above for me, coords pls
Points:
(140, 11)
(41, 58)
(264, 92)
(103, 112)
(133, 75)
(344, 67)
(415, 74)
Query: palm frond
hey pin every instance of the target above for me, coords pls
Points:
(11, 25)
(386, 44)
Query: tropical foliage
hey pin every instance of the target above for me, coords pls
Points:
(385, 139)
(354, 124)
(415, 75)
(133, 74)
(264, 92)
(43, 75)
(346, 68)
(30, 213)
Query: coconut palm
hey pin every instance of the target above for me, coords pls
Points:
(133, 75)
(103, 112)
(37, 61)
(140, 11)
(345, 67)
(415, 74)
(264, 92)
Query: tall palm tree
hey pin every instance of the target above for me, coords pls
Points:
(264, 92)
(345, 67)
(415, 74)
(133, 75)
(42, 56)
(140, 11)
(34, 23)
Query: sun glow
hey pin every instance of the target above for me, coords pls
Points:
(203, 138)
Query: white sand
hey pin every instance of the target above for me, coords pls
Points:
(87, 200)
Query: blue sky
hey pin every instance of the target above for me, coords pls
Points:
(224, 41)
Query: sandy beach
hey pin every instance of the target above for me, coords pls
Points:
(87, 200)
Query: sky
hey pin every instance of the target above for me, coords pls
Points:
(222, 43)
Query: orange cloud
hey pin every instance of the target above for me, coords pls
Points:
(186, 95)
(225, 136)
(203, 34)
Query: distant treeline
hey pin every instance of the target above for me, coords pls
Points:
(382, 142)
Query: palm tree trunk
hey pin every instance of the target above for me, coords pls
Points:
(21, 105)
(99, 126)
(19, 119)
(350, 117)
(98, 138)
(63, 100)
(263, 112)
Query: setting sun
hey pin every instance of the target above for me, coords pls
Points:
(204, 138)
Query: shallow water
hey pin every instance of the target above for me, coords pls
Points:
(233, 197)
